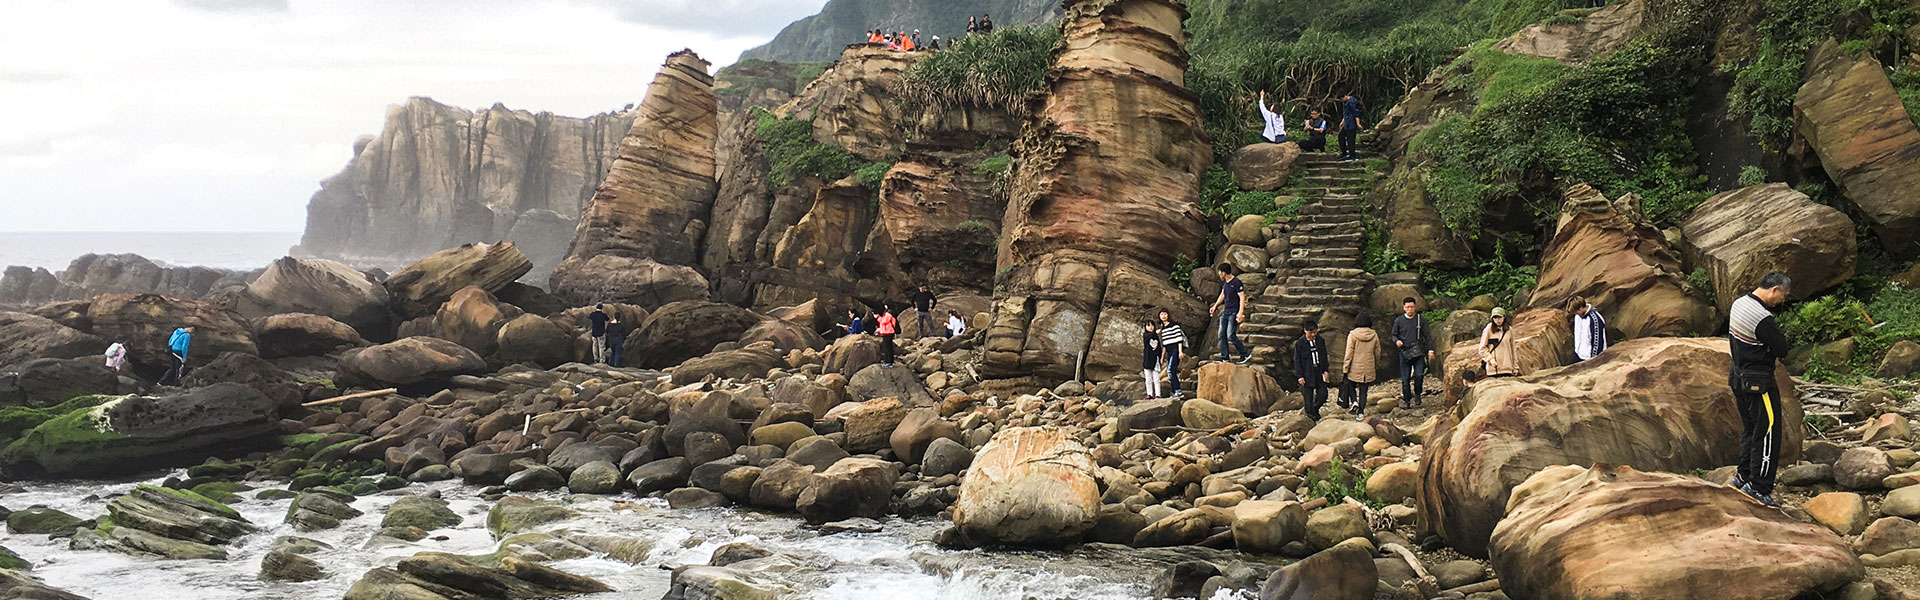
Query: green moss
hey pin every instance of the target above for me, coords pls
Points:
(15, 420)
(793, 154)
(224, 492)
(301, 439)
(1907, 83)
(197, 498)
(1500, 75)
(10, 561)
(74, 432)
(103, 526)
(871, 173)
(997, 164)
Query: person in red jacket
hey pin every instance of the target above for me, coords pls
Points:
(888, 327)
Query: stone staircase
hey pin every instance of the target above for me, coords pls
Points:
(1324, 265)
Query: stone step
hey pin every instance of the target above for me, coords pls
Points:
(1331, 273)
(1335, 226)
(1330, 240)
(1330, 262)
(1321, 208)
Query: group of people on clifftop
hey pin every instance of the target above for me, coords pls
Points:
(902, 41)
(1275, 131)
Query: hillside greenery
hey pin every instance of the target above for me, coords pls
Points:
(992, 71)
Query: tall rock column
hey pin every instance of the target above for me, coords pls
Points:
(643, 227)
(1104, 196)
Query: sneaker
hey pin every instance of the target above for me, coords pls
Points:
(1737, 483)
(1246, 359)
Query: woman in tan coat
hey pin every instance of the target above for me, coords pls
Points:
(1360, 363)
(1498, 357)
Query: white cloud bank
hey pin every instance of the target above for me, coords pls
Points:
(224, 115)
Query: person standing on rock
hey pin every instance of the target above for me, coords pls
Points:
(597, 332)
(1233, 299)
(116, 356)
(1757, 343)
(1360, 362)
(1172, 341)
(1415, 342)
(923, 303)
(955, 324)
(1150, 358)
(616, 340)
(1276, 131)
(1350, 127)
(1497, 356)
(888, 326)
(1589, 329)
(177, 346)
(986, 24)
(1316, 132)
(1310, 363)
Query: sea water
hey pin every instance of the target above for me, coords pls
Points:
(242, 251)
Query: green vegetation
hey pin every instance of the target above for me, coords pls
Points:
(1907, 83)
(1703, 281)
(792, 153)
(1495, 277)
(1751, 176)
(975, 227)
(1887, 315)
(10, 561)
(1180, 276)
(1381, 256)
(1763, 90)
(871, 173)
(1337, 483)
(16, 420)
(991, 71)
(998, 164)
(1817, 424)
(195, 497)
(1241, 204)
(73, 431)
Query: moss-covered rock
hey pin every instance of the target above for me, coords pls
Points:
(275, 494)
(11, 561)
(41, 520)
(420, 511)
(224, 492)
(136, 432)
(320, 508)
(514, 514)
(17, 420)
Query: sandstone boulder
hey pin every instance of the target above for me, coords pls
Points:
(632, 280)
(134, 432)
(1607, 532)
(1343, 572)
(784, 335)
(1244, 388)
(1264, 166)
(1656, 404)
(1742, 235)
(470, 317)
(410, 361)
(1604, 31)
(320, 287)
(744, 363)
(419, 289)
(917, 431)
(1606, 251)
(533, 339)
(878, 381)
(1028, 487)
(852, 487)
(301, 334)
(683, 330)
(1853, 119)
(25, 337)
(144, 322)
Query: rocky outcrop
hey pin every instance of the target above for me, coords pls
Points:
(1615, 532)
(48, 382)
(471, 317)
(820, 37)
(1028, 487)
(1849, 114)
(1418, 230)
(420, 288)
(684, 330)
(319, 287)
(1742, 235)
(439, 176)
(639, 281)
(144, 322)
(1655, 404)
(409, 361)
(95, 274)
(1093, 224)
(25, 337)
(300, 334)
(1606, 251)
(1264, 166)
(134, 432)
(656, 200)
(1595, 34)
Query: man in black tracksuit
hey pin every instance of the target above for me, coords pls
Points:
(1310, 364)
(923, 303)
(1414, 342)
(1757, 343)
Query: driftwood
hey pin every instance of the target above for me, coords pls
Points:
(355, 396)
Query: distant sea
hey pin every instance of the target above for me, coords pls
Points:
(237, 251)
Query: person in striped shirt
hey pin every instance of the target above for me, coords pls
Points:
(1172, 341)
(1757, 343)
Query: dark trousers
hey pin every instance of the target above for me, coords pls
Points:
(175, 372)
(926, 324)
(1172, 360)
(1315, 393)
(886, 349)
(1314, 143)
(1760, 434)
(1281, 139)
(1349, 143)
(1354, 395)
(1413, 378)
(613, 351)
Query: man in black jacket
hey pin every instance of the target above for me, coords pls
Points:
(1415, 342)
(1757, 343)
(923, 303)
(1310, 363)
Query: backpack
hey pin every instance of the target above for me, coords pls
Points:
(116, 348)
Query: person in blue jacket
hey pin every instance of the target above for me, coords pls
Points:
(177, 346)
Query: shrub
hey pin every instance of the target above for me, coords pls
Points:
(1751, 176)
(1823, 320)
(1247, 203)
(989, 71)
(997, 164)
(1339, 483)
(1183, 267)
(979, 227)
(1493, 277)
(792, 153)
(871, 173)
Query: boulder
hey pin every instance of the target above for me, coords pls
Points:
(1742, 235)
(1902, 360)
(1862, 468)
(1888, 535)
(144, 322)
(40, 520)
(878, 381)
(598, 477)
(1265, 527)
(783, 335)
(697, 582)
(1029, 486)
(320, 508)
(1246, 231)
(301, 334)
(1607, 252)
(318, 287)
(1181, 528)
(1886, 427)
(631, 280)
(781, 435)
(869, 425)
(1343, 572)
(945, 457)
(535, 478)
(431, 575)
(1903, 502)
(471, 317)
(1394, 483)
(1414, 223)
(285, 565)
(418, 289)
(1659, 403)
(410, 361)
(1335, 524)
(1264, 167)
(1246, 389)
(740, 364)
(130, 433)
(781, 483)
(177, 515)
(25, 337)
(1607, 532)
(711, 414)
(420, 511)
(1843, 512)
(918, 430)
(852, 487)
(49, 382)
(804, 392)
(535, 340)
(686, 329)
(1852, 118)
(515, 514)
(1542, 339)
(282, 389)
(1201, 414)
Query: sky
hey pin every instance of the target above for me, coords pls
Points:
(224, 115)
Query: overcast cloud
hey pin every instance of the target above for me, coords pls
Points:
(224, 115)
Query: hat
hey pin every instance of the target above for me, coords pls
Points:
(1499, 312)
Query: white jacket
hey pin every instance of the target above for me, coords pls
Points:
(1276, 123)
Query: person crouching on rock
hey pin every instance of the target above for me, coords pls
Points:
(116, 356)
(854, 324)
(616, 340)
(1316, 132)
(1757, 343)
(177, 346)
(1310, 363)
(1172, 341)
(888, 326)
(1276, 130)
(1361, 362)
(1150, 358)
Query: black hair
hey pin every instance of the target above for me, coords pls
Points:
(1228, 269)
(1311, 326)
(1409, 300)
(1364, 319)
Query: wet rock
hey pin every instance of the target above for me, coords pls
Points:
(420, 511)
(1183, 580)
(660, 475)
(151, 518)
(598, 477)
(945, 456)
(431, 576)
(720, 583)
(14, 584)
(40, 520)
(285, 565)
(1028, 486)
(299, 334)
(320, 508)
(1571, 530)
(853, 487)
(1343, 572)
(410, 361)
(689, 498)
(712, 414)
(135, 432)
(536, 478)
(515, 514)
(780, 485)
(1179, 529)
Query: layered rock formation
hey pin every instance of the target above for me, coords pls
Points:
(418, 289)
(1603, 31)
(1094, 223)
(1850, 115)
(1567, 533)
(1742, 235)
(94, 274)
(130, 433)
(653, 207)
(1606, 251)
(1655, 404)
(439, 176)
(320, 287)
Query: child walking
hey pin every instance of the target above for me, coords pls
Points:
(1150, 359)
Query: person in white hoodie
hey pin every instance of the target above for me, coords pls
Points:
(1276, 131)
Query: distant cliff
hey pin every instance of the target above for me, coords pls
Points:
(439, 176)
(821, 37)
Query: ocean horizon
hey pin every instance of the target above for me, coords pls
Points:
(239, 251)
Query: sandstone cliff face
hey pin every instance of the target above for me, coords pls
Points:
(439, 176)
(1104, 195)
(654, 204)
